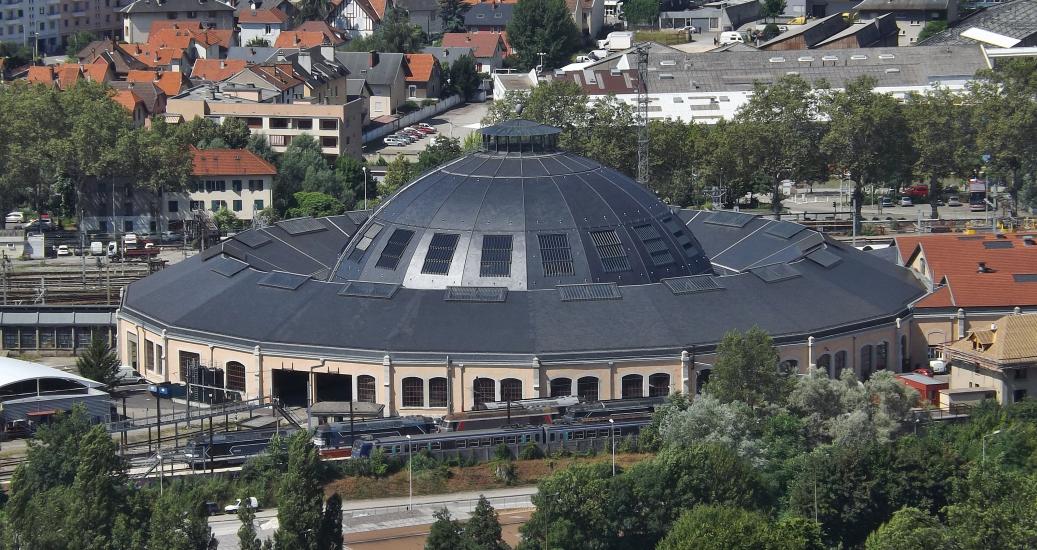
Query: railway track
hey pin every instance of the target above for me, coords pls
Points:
(69, 287)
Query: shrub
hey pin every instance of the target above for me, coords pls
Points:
(531, 451)
(502, 452)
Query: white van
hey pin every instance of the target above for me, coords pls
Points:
(127, 375)
(731, 37)
(129, 240)
(96, 248)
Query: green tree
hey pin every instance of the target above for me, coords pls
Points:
(258, 42)
(909, 529)
(76, 42)
(301, 160)
(610, 139)
(330, 537)
(443, 151)
(932, 28)
(99, 363)
(559, 103)
(315, 205)
(709, 527)
(993, 508)
(299, 500)
(258, 145)
(572, 510)
(676, 183)
(225, 220)
(95, 492)
(483, 528)
(399, 173)
(943, 137)
(445, 533)
(311, 10)
(179, 522)
(772, 9)
(641, 12)
(780, 133)
(351, 171)
(235, 133)
(247, 537)
(708, 420)
(464, 77)
(543, 26)
(452, 12)
(746, 370)
(16, 54)
(397, 34)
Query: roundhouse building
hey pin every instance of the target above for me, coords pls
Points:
(518, 271)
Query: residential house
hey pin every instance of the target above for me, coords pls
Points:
(301, 39)
(333, 37)
(336, 127)
(203, 42)
(121, 62)
(589, 16)
(446, 56)
(385, 73)
(153, 98)
(423, 13)
(139, 15)
(216, 70)
(712, 17)
(253, 55)
(323, 77)
(261, 25)
(424, 76)
(279, 79)
(235, 179)
(170, 82)
(357, 18)
(1004, 25)
(489, 48)
(488, 17)
(134, 104)
(1000, 357)
(973, 281)
(170, 59)
(65, 75)
(910, 15)
(22, 24)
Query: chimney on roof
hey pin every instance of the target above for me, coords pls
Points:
(1028, 240)
(305, 62)
(223, 64)
(373, 58)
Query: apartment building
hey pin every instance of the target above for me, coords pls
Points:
(33, 24)
(337, 127)
(138, 16)
(235, 179)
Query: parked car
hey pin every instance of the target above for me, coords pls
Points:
(63, 250)
(906, 201)
(393, 141)
(924, 371)
(405, 137)
(886, 202)
(15, 218)
(211, 508)
(128, 375)
(427, 126)
(919, 191)
(38, 226)
(953, 200)
(413, 133)
(250, 502)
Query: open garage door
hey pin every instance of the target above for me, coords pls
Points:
(289, 387)
(333, 387)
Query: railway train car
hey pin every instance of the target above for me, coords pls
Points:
(498, 418)
(229, 448)
(336, 439)
(644, 406)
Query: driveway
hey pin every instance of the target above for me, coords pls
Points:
(457, 122)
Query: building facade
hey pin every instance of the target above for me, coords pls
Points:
(139, 15)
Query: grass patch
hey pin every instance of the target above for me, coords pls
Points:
(662, 37)
(471, 478)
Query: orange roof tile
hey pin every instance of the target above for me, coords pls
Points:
(214, 37)
(98, 70)
(127, 99)
(151, 56)
(170, 38)
(170, 82)
(419, 66)
(300, 39)
(230, 162)
(215, 70)
(379, 7)
(954, 259)
(473, 2)
(484, 44)
(41, 75)
(181, 24)
(272, 16)
(333, 36)
(281, 76)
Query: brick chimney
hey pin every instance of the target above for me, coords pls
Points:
(373, 58)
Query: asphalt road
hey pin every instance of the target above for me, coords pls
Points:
(457, 122)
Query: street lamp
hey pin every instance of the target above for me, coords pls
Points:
(410, 474)
(365, 187)
(983, 461)
(612, 427)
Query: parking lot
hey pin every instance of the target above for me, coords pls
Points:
(457, 123)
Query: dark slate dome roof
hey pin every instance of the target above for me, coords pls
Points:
(522, 215)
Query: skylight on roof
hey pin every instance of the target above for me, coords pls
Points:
(475, 294)
(440, 254)
(496, 256)
(776, 60)
(692, 284)
(858, 57)
(283, 280)
(610, 250)
(394, 249)
(886, 56)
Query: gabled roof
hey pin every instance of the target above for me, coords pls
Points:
(953, 261)
(334, 37)
(301, 39)
(419, 66)
(903, 5)
(223, 38)
(252, 54)
(281, 76)
(111, 52)
(215, 70)
(127, 99)
(446, 56)
(812, 32)
(489, 14)
(229, 162)
(175, 6)
(63, 76)
(170, 38)
(1013, 341)
(170, 82)
(386, 68)
(152, 56)
(866, 34)
(483, 44)
(152, 96)
(98, 70)
(271, 16)
(42, 75)
(1016, 20)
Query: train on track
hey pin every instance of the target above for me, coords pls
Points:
(550, 423)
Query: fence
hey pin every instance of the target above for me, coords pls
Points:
(375, 134)
(455, 506)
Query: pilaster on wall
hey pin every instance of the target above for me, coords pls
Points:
(686, 368)
(537, 373)
(387, 387)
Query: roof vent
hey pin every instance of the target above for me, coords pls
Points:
(1028, 240)
(982, 268)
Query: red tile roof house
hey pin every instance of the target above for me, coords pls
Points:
(490, 48)
(261, 24)
(216, 70)
(973, 281)
(423, 76)
(235, 179)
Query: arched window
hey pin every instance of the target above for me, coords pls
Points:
(659, 385)
(866, 361)
(788, 367)
(701, 380)
(365, 391)
(561, 387)
(824, 363)
(235, 376)
(882, 356)
(510, 389)
(437, 392)
(587, 388)
(633, 386)
(413, 392)
(483, 390)
(840, 364)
